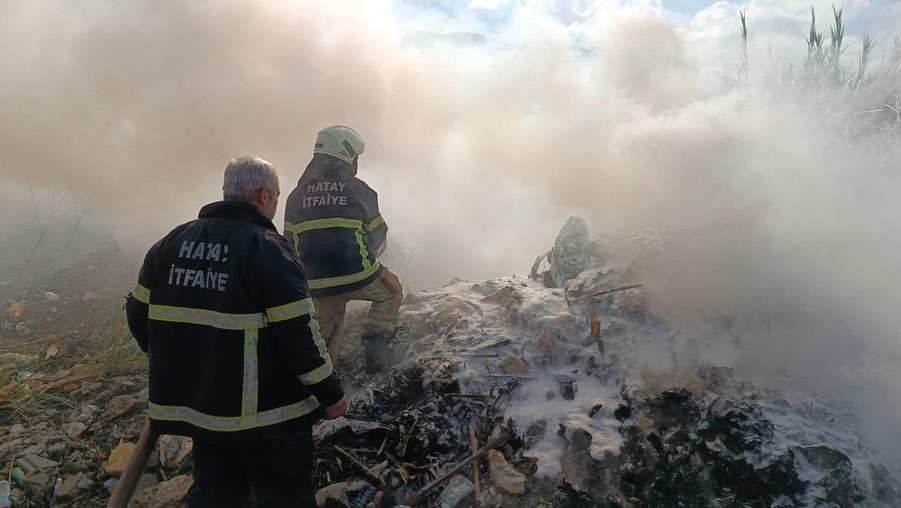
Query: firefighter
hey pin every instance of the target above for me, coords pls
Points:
(332, 218)
(236, 358)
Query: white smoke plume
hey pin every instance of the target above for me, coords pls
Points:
(484, 132)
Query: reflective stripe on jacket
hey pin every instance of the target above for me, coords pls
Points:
(222, 308)
(332, 219)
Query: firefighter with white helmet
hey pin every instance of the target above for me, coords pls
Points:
(333, 221)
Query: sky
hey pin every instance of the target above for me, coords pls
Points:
(487, 124)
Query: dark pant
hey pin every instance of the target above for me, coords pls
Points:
(278, 470)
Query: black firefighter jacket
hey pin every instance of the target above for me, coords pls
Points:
(221, 307)
(333, 220)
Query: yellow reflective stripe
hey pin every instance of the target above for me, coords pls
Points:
(290, 310)
(364, 253)
(141, 294)
(250, 387)
(296, 243)
(330, 222)
(207, 317)
(344, 279)
(323, 371)
(318, 374)
(232, 423)
(376, 222)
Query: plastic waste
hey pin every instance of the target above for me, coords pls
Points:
(5, 500)
(18, 476)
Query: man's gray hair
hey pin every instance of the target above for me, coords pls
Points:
(245, 176)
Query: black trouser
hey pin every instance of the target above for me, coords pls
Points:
(279, 470)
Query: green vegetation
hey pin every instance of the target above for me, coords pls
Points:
(860, 96)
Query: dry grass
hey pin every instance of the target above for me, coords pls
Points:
(74, 336)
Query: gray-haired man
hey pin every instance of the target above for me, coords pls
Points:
(236, 359)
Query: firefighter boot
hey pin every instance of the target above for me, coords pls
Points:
(376, 348)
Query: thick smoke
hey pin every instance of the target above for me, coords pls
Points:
(480, 146)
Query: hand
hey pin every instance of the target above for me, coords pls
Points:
(337, 409)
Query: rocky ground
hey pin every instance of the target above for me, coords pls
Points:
(539, 377)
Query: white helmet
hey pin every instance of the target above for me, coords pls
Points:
(341, 142)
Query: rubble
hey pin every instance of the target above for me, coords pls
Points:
(118, 459)
(504, 476)
(341, 493)
(166, 494)
(173, 450)
(73, 486)
(457, 489)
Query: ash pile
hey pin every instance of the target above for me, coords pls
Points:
(549, 369)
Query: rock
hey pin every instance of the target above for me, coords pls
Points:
(591, 281)
(37, 482)
(85, 418)
(56, 450)
(118, 459)
(36, 448)
(32, 463)
(73, 486)
(167, 494)
(456, 490)
(515, 366)
(90, 295)
(50, 295)
(570, 255)
(51, 351)
(16, 429)
(174, 449)
(839, 482)
(504, 475)
(76, 466)
(74, 429)
(10, 444)
(89, 386)
(340, 493)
